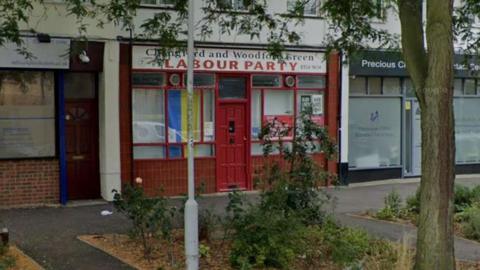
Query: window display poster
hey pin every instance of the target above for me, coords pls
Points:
(374, 132)
(281, 123)
(27, 138)
(313, 101)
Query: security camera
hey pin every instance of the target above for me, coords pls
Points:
(84, 57)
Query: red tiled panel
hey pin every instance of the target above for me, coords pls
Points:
(169, 177)
(29, 182)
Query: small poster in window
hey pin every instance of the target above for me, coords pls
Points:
(317, 104)
(305, 102)
(208, 128)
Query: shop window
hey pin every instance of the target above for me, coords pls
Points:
(374, 132)
(467, 130)
(409, 89)
(305, 81)
(469, 87)
(374, 86)
(149, 152)
(278, 102)
(232, 88)
(79, 85)
(457, 87)
(202, 80)
(391, 86)
(204, 150)
(256, 120)
(148, 116)
(177, 115)
(148, 79)
(27, 114)
(358, 85)
(208, 115)
(267, 80)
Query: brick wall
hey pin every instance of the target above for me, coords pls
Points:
(29, 182)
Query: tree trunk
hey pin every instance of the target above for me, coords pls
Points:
(432, 74)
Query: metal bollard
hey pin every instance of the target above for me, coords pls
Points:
(4, 236)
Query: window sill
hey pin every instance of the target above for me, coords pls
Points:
(313, 17)
(171, 8)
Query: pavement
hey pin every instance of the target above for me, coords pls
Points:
(48, 234)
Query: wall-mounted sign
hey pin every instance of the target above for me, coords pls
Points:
(382, 63)
(52, 55)
(241, 60)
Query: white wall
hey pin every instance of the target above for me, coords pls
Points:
(109, 118)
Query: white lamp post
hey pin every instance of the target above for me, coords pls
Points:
(191, 206)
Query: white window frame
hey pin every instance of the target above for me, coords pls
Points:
(158, 3)
(233, 8)
(317, 10)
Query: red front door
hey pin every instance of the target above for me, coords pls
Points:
(231, 134)
(81, 126)
(232, 141)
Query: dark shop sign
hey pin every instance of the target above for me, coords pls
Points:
(380, 63)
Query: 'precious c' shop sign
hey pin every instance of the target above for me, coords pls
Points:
(241, 60)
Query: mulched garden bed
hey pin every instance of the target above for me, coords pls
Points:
(166, 257)
(20, 260)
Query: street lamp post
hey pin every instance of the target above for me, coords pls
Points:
(191, 206)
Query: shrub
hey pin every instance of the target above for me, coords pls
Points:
(462, 198)
(151, 217)
(392, 207)
(6, 261)
(413, 202)
(265, 239)
(346, 246)
(271, 232)
(471, 225)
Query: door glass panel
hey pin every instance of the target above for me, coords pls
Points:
(232, 88)
(79, 85)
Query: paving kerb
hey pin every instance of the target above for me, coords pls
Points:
(48, 234)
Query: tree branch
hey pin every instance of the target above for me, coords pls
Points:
(410, 13)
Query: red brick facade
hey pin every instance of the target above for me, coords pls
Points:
(29, 182)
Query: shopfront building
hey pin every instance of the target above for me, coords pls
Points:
(384, 134)
(236, 91)
(48, 122)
